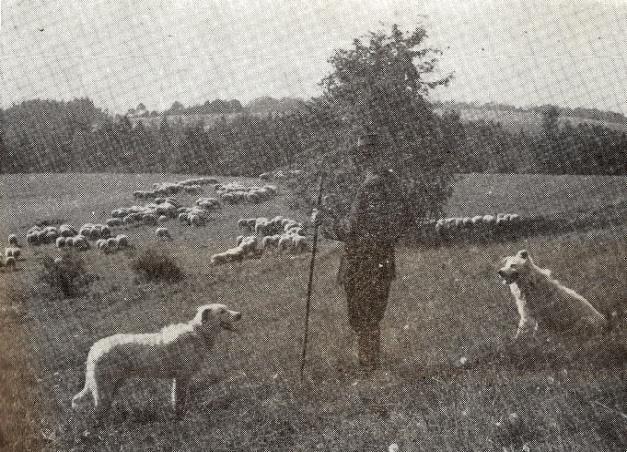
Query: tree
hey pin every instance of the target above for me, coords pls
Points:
(381, 85)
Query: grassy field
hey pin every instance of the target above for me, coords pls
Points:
(447, 303)
(529, 121)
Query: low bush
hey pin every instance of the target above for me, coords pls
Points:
(65, 275)
(154, 265)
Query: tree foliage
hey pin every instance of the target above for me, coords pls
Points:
(381, 85)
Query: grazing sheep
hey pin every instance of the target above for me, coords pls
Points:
(270, 241)
(12, 252)
(162, 219)
(163, 234)
(196, 220)
(249, 244)
(101, 244)
(61, 242)
(10, 262)
(80, 241)
(67, 230)
(113, 243)
(149, 219)
(113, 222)
(13, 240)
(122, 240)
(261, 225)
(184, 217)
(489, 219)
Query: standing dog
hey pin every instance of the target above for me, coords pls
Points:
(539, 297)
(176, 352)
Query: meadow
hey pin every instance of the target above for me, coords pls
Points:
(451, 379)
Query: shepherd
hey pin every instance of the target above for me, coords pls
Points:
(378, 216)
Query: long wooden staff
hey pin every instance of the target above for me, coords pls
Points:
(314, 247)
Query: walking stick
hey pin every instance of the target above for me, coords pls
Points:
(310, 282)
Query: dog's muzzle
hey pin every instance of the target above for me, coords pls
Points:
(228, 325)
(508, 277)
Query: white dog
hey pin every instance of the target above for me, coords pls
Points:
(539, 297)
(177, 352)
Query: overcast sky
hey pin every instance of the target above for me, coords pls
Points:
(122, 52)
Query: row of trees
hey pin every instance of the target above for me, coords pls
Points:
(380, 84)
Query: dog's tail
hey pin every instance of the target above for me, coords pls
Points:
(84, 392)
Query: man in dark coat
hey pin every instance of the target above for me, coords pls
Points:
(377, 218)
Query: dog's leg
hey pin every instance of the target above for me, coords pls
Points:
(179, 393)
(104, 393)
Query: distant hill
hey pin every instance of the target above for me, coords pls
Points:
(266, 104)
(530, 119)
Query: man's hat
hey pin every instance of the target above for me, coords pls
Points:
(371, 139)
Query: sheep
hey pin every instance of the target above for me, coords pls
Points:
(196, 220)
(67, 230)
(208, 203)
(113, 222)
(113, 243)
(128, 220)
(249, 245)
(61, 242)
(162, 219)
(261, 225)
(265, 176)
(80, 243)
(193, 189)
(149, 219)
(9, 262)
(12, 252)
(477, 219)
(163, 234)
(489, 219)
(122, 240)
(13, 240)
(272, 189)
(101, 244)
(247, 224)
(184, 217)
(270, 241)
(299, 244)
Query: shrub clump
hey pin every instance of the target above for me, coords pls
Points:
(65, 275)
(152, 265)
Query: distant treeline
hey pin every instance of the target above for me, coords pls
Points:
(46, 135)
(579, 112)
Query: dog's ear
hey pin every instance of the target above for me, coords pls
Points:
(204, 317)
(524, 254)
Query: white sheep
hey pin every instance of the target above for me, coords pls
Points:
(12, 252)
(163, 234)
(270, 241)
(113, 222)
(9, 262)
(61, 242)
(122, 240)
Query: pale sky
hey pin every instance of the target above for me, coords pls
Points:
(120, 53)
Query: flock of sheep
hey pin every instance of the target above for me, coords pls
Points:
(189, 186)
(283, 234)
(503, 220)
(279, 233)
(234, 193)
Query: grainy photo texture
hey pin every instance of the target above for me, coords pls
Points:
(328, 225)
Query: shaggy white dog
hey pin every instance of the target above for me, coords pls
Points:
(176, 352)
(541, 298)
